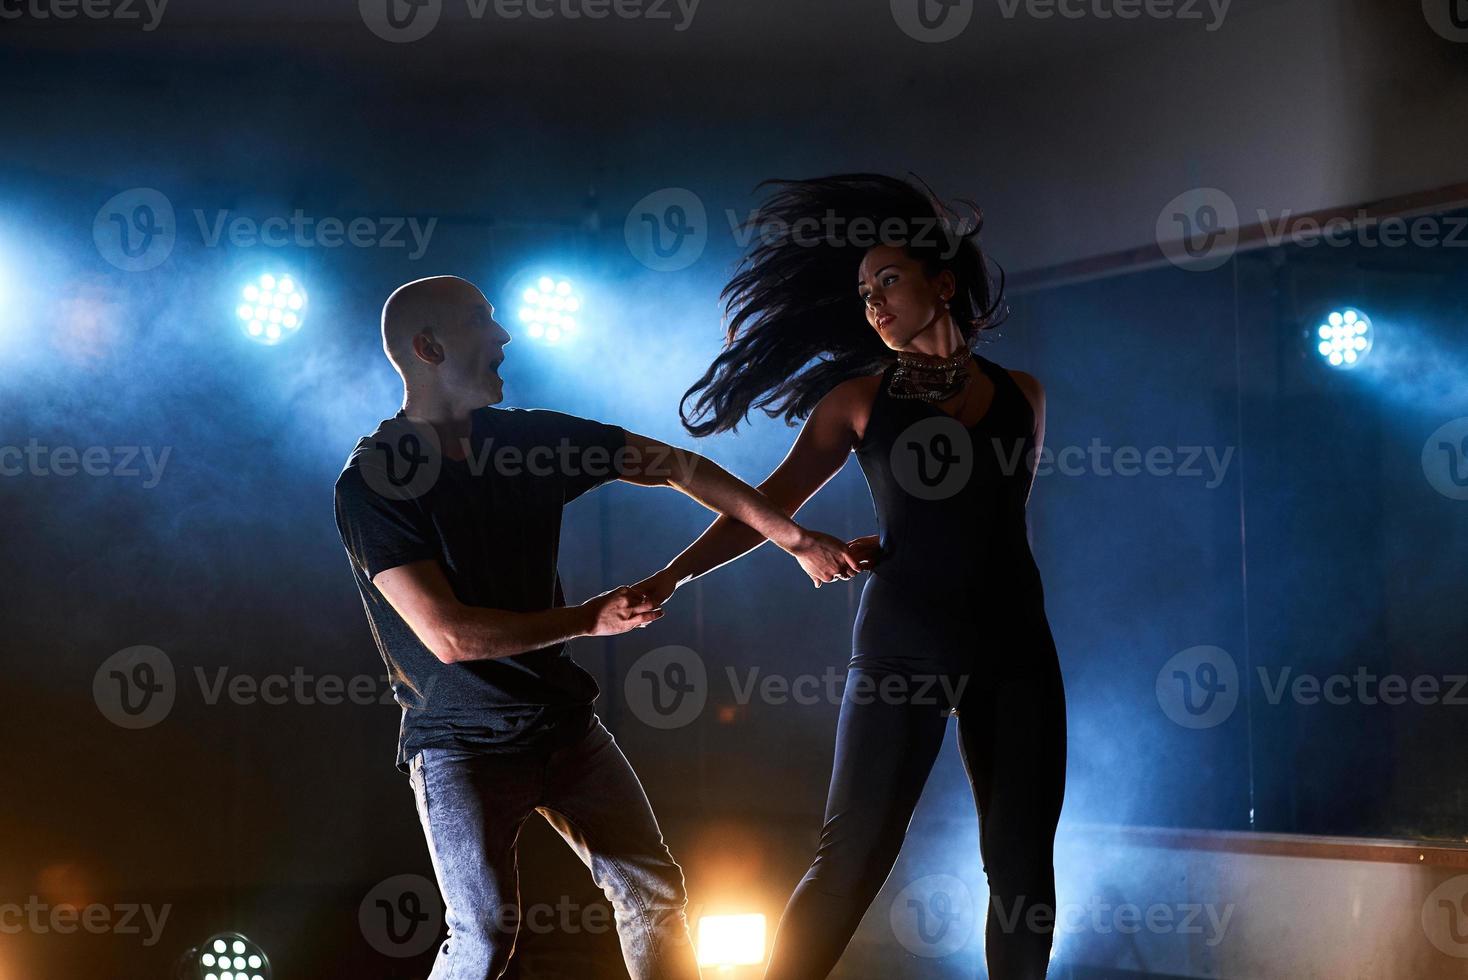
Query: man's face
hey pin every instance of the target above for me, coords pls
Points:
(474, 347)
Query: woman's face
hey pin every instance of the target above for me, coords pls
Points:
(901, 299)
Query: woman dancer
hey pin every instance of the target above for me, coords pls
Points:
(947, 440)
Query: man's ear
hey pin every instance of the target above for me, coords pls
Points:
(426, 349)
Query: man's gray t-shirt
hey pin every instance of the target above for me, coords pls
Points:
(493, 524)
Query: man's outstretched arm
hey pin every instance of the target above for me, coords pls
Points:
(454, 632)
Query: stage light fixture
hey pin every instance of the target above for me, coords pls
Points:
(731, 940)
(225, 956)
(271, 308)
(1344, 337)
(551, 310)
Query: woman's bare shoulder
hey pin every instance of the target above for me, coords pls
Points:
(1030, 385)
(851, 400)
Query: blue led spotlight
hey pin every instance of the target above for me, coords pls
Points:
(271, 308)
(1344, 338)
(550, 309)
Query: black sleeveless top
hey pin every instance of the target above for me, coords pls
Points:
(955, 578)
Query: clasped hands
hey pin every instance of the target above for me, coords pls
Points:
(823, 557)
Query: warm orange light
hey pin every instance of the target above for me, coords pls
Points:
(731, 940)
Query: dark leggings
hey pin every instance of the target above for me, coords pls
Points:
(1011, 735)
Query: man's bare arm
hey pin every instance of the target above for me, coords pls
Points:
(455, 632)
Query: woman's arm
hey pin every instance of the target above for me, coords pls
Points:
(823, 557)
(1035, 392)
(819, 452)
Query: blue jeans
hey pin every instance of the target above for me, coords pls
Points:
(472, 805)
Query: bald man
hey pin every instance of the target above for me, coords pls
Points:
(451, 514)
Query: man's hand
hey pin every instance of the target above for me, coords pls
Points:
(620, 610)
(824, 558)
(866, 549)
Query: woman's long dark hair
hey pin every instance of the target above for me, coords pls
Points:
(796, 324)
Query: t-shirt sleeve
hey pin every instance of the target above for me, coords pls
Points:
(594, 453)
(379, 532)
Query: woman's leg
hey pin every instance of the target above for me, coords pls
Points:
(885, 747)
(1012, 736)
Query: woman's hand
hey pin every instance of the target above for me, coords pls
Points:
(659, 587)
(824, 558)
(866, 550)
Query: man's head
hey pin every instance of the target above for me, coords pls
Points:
(441, 335)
